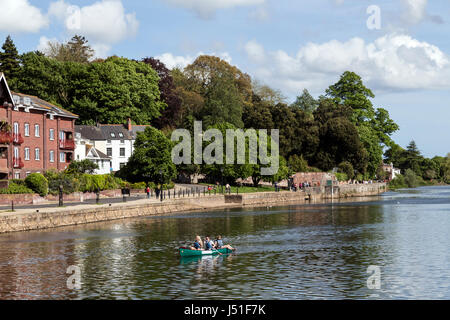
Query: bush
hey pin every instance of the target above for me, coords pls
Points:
(138, 185)
(341, 176)
(38, 183)
(398, 183)
(15, 188)
(55, 179)
(347, 168)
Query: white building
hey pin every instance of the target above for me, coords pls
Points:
(114, 141)
(84, 149)
(393, 172)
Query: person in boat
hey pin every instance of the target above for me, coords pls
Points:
(209, 245)
(218, 244)
(198, 244)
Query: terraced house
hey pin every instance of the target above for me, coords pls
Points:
(35, 135)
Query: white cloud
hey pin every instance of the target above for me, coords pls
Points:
(43, 45)
(103, 23)
(392, 62)
(255, 51)
(21, 16)
(171, 61)
(415, 10)
(205, 9)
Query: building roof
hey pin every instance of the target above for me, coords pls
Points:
(39, 104)
(104, 132)
(95, 151)
(135, 129)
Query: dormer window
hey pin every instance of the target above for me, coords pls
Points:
(121, 134)
(113, 134)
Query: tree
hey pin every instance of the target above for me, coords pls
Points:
(298, 164)
(171, 116)
(107, 92)
(225, 90)
(151, 156)
(338, 138)
(76, 50)
(9, 61)
(374, 127)
(267, 94)
(305, 102)
(82, 167)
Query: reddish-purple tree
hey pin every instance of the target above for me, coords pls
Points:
(170, 117)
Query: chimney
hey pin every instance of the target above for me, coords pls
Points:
(129, 125)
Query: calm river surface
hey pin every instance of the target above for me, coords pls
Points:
(297, 252)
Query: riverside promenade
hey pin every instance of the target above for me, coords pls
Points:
(26, 219)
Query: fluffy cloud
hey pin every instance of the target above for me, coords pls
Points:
(392, 62)
(171, 61)
(21, 16)
(104, 23)
(205, 9)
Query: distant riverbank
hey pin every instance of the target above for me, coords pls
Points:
(31, 219)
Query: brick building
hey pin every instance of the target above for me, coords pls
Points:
(35, 136)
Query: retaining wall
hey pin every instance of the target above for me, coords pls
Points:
(25, 220)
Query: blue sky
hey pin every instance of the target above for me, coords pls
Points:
(288, 45)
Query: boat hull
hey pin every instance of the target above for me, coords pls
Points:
(185, 252)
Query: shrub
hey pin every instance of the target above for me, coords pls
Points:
(15, 188)
(55, 179)
(398, 183)
(138, 185)
(341, 176)
(347, 168)
(38, 183)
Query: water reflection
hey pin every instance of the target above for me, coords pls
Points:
(296, 252)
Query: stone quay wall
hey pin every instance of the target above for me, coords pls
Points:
(32, 219)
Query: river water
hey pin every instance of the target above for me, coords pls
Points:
(295, 252)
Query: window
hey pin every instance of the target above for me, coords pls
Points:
(109, 152)
(113, 134)
(27, 153)
(37, 154)
(28, 173)
(62, 136)
(52, 134)
(108, 141)
(16, 152)
(122, 141)
(122, 152)
(17, 175)
(52, 156)
(62, 157)
(16, 127)
(121, 134)
(27, 129)
(36, 131)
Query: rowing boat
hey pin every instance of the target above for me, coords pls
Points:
(186, 252)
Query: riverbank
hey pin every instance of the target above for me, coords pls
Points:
(44, 218)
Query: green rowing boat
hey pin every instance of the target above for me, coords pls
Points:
(186, 252)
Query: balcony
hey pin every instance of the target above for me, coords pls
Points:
(5, 138)
(18, 163)
(67, 144)
(17, 138)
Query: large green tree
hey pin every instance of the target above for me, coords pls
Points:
(151, 160)
(9, 61)
(109, 91)
(374, 126)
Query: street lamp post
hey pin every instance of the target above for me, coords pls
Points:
(161, 189)
(221, 170)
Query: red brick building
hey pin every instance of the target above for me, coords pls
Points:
(35, 136)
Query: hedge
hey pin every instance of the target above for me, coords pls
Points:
(15, 188)
(38, 183)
